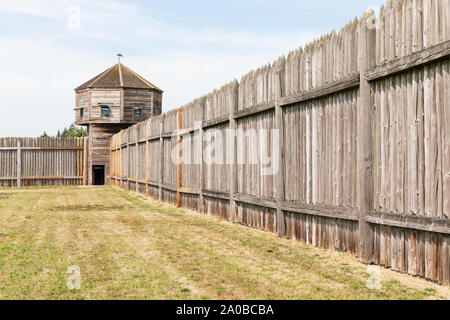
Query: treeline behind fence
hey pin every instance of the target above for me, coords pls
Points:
(26, 162)
(364, 149)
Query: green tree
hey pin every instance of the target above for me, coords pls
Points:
(72, 132)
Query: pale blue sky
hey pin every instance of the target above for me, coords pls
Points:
(187, 48)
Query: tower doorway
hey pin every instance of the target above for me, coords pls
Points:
(98, 175)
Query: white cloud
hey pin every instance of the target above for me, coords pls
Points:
(39, 8)
(53, 9)
(237, 39)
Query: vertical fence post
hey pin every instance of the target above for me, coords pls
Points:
(116, 160)
(161, 156)
(147, 157)
(19, 163)
(366, 60)
(137, 160)
(233, 96)
(180, 155)
(119, 157)
(200, 141)
(128, 158)
(279, 174)
(85, 160)
(112, 160)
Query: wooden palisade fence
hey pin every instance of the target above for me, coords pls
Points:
(42, 161)
(364, 149)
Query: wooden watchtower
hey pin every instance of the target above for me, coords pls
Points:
(113, 100)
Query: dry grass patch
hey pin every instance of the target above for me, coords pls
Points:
(129, 247)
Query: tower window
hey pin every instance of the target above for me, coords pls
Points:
(106, 111)
(137, 112)
(82, 113)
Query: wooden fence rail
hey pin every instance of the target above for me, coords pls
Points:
(357, 130)
(41, 161)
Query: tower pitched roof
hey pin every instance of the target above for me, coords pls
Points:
(118, 76)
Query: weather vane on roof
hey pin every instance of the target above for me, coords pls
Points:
(120, 56)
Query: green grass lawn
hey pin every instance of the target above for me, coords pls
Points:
(129, 247)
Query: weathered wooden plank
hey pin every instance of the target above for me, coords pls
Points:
(415, 60)
(408, 221)
(170, 187)
(280, 160)
(19, 163)
(189, 190)
(430, 143)
(350, 82)
(8, 178)
(214, 122)
(256, 201)
(153, 138)
(232, 150)
(446, 139)
(439, 106)
(53, 178)
(263, 107)
(216, 194)
(42, 148)
(180, 155)
(322, 211)
(366, 59)
(412, 116)
(161, 157)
